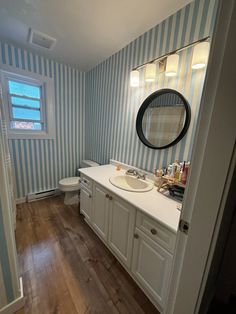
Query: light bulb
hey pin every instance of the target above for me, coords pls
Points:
(172, 65)
(150, 72)
(134, 78)
(200, 55)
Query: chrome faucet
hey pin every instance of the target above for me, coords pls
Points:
(141, 175)
(136, 173)
(131, 172)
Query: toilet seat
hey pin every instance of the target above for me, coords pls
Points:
(69, 184)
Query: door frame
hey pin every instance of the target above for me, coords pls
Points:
(211, 170)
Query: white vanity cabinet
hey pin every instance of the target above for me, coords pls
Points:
(113, 220)
(121, 229)
(100, 211)
(86, 203)
(151, 266)
(140, 242)
(152, 257)
(86, 198)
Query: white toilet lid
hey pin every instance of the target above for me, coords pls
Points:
(71, 181)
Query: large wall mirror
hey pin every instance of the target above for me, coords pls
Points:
(163, 119)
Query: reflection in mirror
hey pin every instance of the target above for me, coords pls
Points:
(163, 119)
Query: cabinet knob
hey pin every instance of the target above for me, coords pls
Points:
(153, 231)
(110, 198)
(107, 195)
(136, 236)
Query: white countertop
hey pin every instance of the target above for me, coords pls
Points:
(153, 203)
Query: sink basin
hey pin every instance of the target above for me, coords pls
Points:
(131, 184)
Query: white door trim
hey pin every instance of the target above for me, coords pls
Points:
(212, 153)
(17, 304)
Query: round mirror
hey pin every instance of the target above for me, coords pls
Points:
(163, 119)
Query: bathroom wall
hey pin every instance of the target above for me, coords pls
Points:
(9, 282)
(95, 112)
(9, 277)
(112, 105)
(39, 164)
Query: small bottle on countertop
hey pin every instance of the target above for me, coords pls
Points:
(181, 170)
(172, 174)
(158, 176)
(169, 170)
(118, 167)
(185, 172)
(177, 172)
(175, 166)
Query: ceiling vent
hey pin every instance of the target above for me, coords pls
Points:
(41, 40)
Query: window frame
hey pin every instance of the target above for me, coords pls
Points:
(41, 100)
(47, 119)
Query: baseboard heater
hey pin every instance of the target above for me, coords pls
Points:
(41, 195)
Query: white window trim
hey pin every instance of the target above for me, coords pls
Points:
(11, 72)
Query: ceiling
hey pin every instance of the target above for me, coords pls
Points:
(87, 31)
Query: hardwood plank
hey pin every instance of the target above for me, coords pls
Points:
(66, 268)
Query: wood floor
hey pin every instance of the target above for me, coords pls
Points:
(66, 268)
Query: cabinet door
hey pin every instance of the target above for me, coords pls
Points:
(151, 266)
(121, 229)
(85, 203)
(100, 211)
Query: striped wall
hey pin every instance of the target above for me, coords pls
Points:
(95, 112)
(9, 277)
(112, 105)
(9, 281)
(39, 164)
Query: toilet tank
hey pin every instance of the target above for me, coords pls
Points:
(88, 163)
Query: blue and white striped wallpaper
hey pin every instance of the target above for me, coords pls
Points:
(112, 105)
(9, 277)
(5, 272)
(9, 286)
(39, 164)
(95, 112)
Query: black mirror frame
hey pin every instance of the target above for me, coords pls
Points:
(143, 108)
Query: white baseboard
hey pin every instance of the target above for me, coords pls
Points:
(16, 304)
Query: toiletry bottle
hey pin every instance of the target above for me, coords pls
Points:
(177, 172)
(185, 173)
(158, 177)
(172, 174)
(181, 171)
(187, 170)
(169, 170)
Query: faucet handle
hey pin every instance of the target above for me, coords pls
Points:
(131, 172)
(142, 175)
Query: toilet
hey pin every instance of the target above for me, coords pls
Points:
(71, 185)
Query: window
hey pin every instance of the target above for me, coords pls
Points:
(29, 112)
(26, 110)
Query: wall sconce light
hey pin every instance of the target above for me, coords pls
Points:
(172, 65)
(150, 72)
(134, 78)
(200, 55)
(169, 63)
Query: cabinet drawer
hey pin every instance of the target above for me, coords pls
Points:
(86, 182)
(85, 203)
(156, 232)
